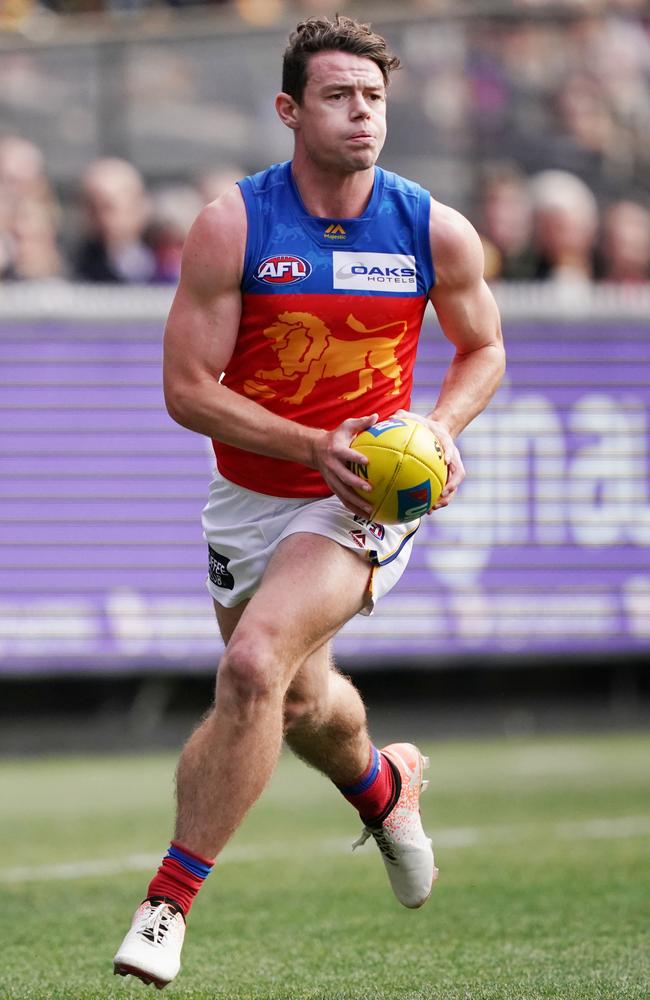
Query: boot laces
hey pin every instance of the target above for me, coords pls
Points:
(383, 842)
(157, 924)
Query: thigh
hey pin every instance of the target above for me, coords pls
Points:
(242, 530)
(311, 587)
(227, 618)
(386, 547)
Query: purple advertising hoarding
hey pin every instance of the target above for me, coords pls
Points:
(102, 561)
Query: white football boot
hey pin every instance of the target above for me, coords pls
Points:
(405, 848)
(151, 951)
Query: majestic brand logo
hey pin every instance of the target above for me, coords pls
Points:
(386, 272)
(358, 537)
(218, 570)
(283, 269)
(335, 231)
(414, 502)
(307, 352)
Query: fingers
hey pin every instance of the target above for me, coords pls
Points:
(349, 455)
(351, 478)
(343, 453)
(455, 473)
(354, 425)
(340, 464)
(344, 482)
(455, 476)
(445, 498)
(354, 503)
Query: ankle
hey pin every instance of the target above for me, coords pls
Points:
(180, 877)
(376, 790)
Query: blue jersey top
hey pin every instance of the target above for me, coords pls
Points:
(331, 314)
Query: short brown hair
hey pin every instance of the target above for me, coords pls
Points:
(319, 34)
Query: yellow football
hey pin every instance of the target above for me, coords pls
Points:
(406, 469)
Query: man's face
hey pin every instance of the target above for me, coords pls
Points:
(115, 208)
(342, 118)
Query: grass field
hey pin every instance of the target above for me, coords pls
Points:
(543, 847)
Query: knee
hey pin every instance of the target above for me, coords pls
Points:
(247, 673)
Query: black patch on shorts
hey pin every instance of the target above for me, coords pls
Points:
(218, 570)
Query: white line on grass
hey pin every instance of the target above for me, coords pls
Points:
(613, 828)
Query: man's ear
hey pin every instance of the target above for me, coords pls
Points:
(287, 110)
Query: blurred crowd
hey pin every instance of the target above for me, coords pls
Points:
(117, 231)
(268, 11)
(548, 226)
(534, 123)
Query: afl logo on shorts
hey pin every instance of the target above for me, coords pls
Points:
(283, 270)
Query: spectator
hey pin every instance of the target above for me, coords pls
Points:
(29, 214)
(35, 253)
(505, 224)
(174, 210)
(565, 226)
(22, 169)
(625, 244)
(117, 211)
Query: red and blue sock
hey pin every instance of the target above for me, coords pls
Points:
(180, 876)
(376, 791)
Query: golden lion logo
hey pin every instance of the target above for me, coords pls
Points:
(308, 351)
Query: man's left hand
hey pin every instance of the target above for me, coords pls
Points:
(455, 467)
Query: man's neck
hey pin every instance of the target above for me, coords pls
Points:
(331, 195)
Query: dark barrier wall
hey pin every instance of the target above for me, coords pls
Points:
(102, 563)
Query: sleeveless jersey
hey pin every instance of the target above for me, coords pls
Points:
(331, 315)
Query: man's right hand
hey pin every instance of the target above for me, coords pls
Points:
(332, 452)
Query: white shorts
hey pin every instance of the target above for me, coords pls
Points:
(243, 529)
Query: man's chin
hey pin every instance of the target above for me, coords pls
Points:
(363, 159)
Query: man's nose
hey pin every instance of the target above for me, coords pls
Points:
(360, 107)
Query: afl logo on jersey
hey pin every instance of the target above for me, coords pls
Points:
(283, 270)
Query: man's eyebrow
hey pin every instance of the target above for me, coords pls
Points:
(352, 86)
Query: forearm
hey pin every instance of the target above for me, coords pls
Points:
(469, 384)
(210, 408)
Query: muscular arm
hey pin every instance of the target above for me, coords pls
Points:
(469, 318)
(200, 337)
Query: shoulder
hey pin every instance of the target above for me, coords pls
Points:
(455, 246)
(216, 243)
(219, 222)
(271, 177)
(398, 185)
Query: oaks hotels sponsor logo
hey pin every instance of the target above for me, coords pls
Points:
(386, 272)
(283, 269)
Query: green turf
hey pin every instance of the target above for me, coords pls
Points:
(543, 846)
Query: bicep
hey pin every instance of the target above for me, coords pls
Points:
(468, 316)
(203, 322)
(461, 298)
(201, 332)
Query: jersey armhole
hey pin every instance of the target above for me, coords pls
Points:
(424, 240)
(253, 230)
